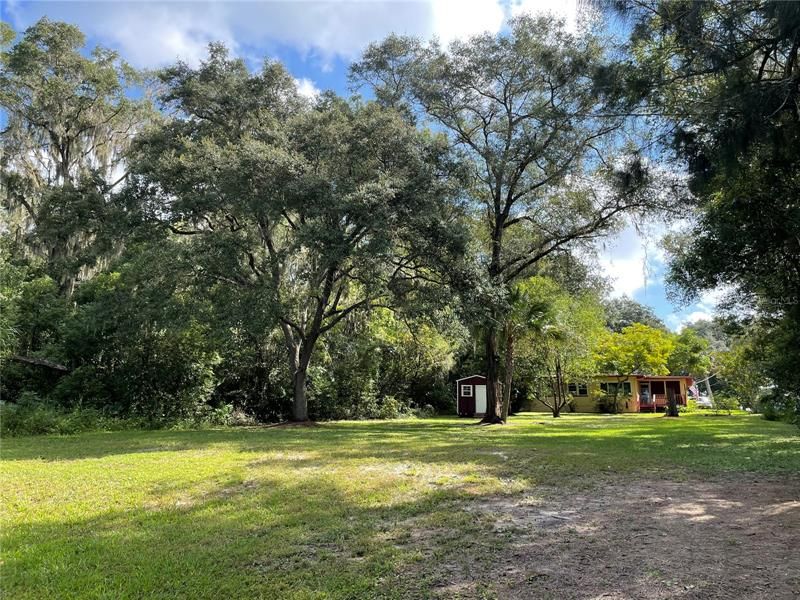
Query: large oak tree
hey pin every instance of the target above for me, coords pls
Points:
(310, 211)
(71, 119)
(531, 111)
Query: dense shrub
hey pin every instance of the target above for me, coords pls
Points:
(31, 416)
(426, 412)
(778, 407)
(724, 403)
(606, 403)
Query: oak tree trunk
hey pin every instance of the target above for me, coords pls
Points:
(300, 405)
(299, 358)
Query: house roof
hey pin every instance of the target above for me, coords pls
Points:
(636, 376)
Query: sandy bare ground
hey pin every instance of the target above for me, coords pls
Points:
(736, 538)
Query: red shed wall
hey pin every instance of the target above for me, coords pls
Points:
(466, 405)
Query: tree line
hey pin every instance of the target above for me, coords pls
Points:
(205, 239)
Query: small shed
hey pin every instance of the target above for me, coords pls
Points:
(471, 396)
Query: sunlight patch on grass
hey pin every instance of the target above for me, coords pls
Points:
(216, 513)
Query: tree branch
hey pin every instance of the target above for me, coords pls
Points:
(40, 362)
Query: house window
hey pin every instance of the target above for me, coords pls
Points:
(610, 388)
(466, 391)
(578, 389)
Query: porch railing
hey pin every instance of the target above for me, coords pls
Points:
(660, 401)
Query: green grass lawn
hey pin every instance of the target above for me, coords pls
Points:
(338, 510)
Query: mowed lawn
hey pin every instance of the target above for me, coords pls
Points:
(575, 507)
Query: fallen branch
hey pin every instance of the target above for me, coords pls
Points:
(40, 362)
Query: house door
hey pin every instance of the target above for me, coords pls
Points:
(644, 392)
(466, 406)
(480, 399)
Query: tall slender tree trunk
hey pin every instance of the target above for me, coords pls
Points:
(493, 395)
(559, 399)
(494, 400)
(509, 372)
(708, 390)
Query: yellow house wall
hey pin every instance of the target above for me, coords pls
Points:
(588, 404)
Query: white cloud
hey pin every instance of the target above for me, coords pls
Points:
(307, 88)
(677, 321)
(673, 321)
(630, 261)
(703, 310)
(458, 19)
(626, 274)
(562, 9)
(151, 34)
(711, 298)
(697, 315)
(155, 35)
(147, 34)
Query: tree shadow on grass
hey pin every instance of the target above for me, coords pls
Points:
(316, 535)
(570, 446)
(262, 538)
(100, 444)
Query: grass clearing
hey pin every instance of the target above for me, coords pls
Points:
(399, 509)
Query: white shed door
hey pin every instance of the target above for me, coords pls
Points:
(480, 399)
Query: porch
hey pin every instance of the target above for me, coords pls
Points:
(654, 393)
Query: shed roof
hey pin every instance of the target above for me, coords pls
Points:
(471, 377)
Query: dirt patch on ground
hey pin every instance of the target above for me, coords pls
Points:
(736, 538)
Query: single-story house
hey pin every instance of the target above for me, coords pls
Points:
(636, 393)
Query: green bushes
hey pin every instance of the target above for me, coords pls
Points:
(352, 398)
(608, 403)
(31, 416)
(724, 403)
(426, 412)
(137, 349)
(778, 407)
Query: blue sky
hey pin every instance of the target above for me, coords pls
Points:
(316, 41)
